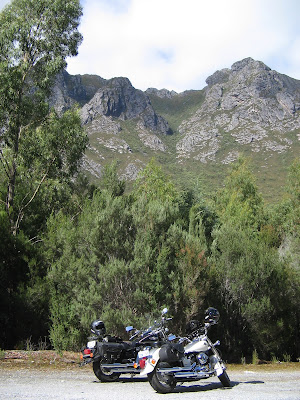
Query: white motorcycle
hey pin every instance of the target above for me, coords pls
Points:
(184, 359)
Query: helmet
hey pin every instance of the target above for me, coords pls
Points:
(98, 327)
(212, 315)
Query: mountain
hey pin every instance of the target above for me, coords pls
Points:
(246, 109)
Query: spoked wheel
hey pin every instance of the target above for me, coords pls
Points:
(162, 382)
(224, 378)
(104, 374)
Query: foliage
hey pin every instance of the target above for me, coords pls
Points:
(257, 287)
(111, 182)
(123, 256)
(116, 261)
(35, 39)
(152, 184)
(81, 254)
(254, 286)
(240, 201)
(39, 154)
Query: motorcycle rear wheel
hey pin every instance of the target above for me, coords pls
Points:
(160, 381)
(103, 374)
(224, 378)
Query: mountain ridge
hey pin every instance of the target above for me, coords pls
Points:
(195, 134)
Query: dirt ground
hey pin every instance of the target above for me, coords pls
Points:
(46, 375)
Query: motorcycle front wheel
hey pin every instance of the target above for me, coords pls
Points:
(161, 381)
(103, 374)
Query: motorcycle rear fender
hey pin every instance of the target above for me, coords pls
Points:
(152, 360)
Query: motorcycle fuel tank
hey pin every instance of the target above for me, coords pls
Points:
(196, 345)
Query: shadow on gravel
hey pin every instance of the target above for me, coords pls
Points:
(199, 388)
(133, 379)
(210, 386)
(124, 380)
(233, 383)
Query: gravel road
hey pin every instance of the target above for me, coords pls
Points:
(81, 384)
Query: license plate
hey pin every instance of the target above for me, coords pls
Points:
(91, 344)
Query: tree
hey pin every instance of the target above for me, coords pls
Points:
(239, 200)
(111, 182)
(153, 184)
(88, 267)
(36, 37)
(257, 289)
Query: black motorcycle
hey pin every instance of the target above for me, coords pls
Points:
(111, 356)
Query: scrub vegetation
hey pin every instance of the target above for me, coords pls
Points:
(72, 251)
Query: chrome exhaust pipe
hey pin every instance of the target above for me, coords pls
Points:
(192, 375)
(122, 368)
(187, 373)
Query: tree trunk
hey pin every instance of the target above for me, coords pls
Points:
(11, 194)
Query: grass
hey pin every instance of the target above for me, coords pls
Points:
(2, 354)
(40, 359)
(269, 367)
(49, 359)
(178, 108)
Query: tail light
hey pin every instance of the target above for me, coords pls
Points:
(88, 352)
(142, 362)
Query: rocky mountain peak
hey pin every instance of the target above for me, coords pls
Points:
(249, 103)
(247, 108)
(162, 93)
(73, 89)
(249, 63)
(118, 98)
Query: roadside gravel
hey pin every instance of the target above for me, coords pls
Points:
(81, 384)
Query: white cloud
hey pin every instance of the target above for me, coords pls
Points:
(177, 44)
(3, 3)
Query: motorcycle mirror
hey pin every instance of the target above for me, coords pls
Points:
(129, 328)
(164, 311)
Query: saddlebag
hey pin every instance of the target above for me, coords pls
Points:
(171, 352)
(109, 351)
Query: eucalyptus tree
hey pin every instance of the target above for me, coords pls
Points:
(36, 37)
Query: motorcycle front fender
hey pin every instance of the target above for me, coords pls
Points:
(217, 365)
(219, 369)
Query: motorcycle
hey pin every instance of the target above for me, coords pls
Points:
(111, 356)
(183, 359)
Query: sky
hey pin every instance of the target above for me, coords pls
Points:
(177, 44)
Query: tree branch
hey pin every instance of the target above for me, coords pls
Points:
(4, 163)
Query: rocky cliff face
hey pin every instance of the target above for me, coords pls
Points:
(78, 89)
(119, 99)
(115, 98)
(247, 108)
(249, 105)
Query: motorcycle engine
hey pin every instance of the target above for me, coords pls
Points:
(202, 358)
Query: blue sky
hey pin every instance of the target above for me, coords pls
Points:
(177, 44)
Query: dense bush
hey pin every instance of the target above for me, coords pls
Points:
(72, 252)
